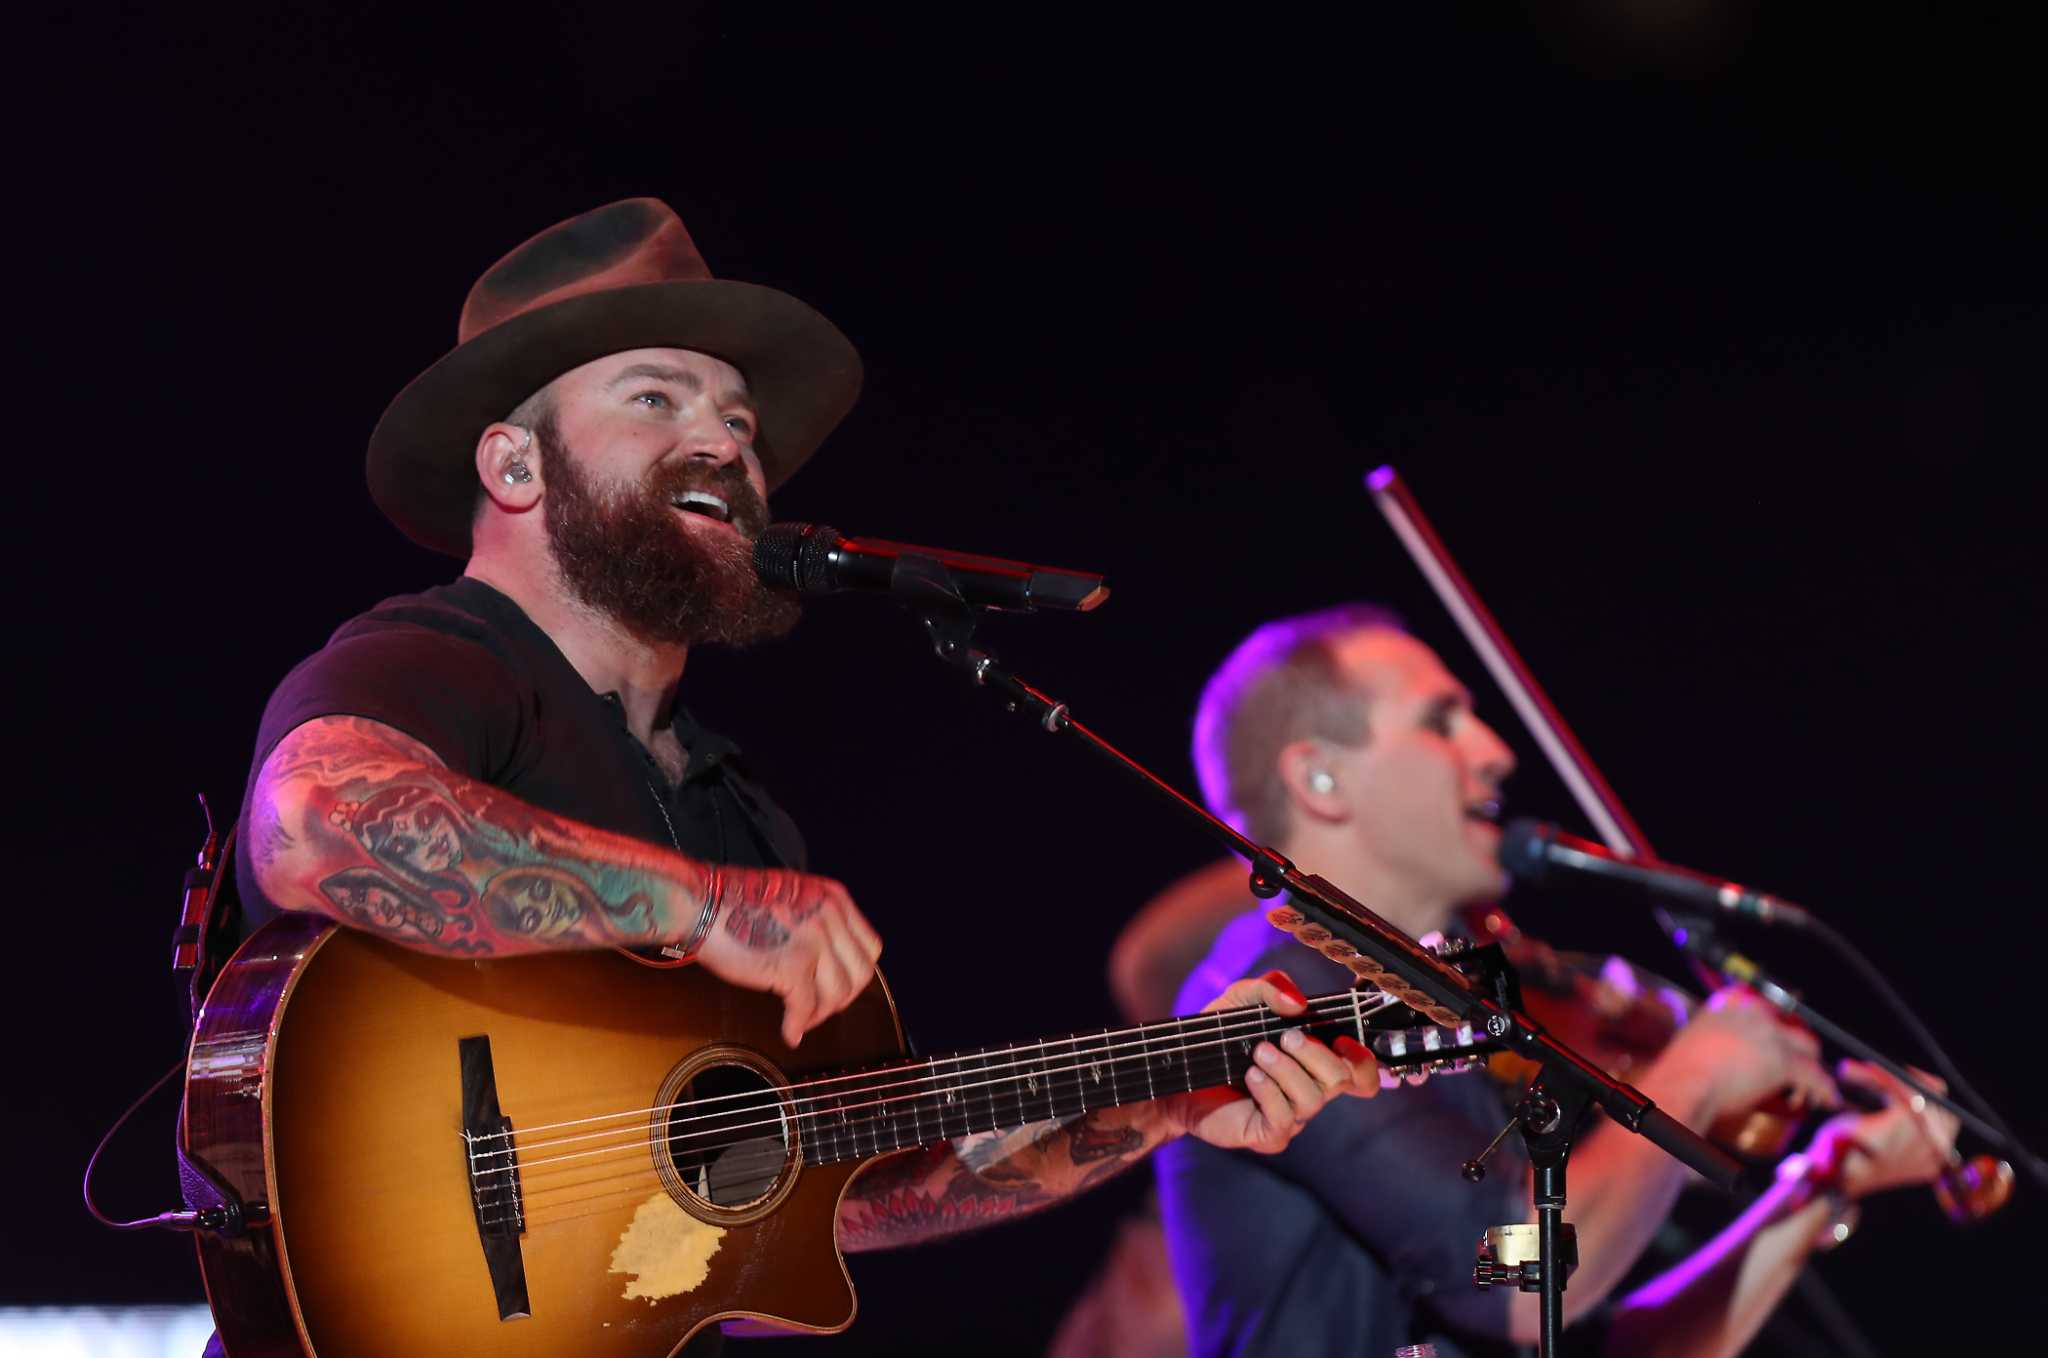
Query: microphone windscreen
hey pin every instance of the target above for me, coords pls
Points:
(793, 556)
(1521, 849)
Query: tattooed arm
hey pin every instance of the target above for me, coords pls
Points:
(993, 1176)
(358, 821)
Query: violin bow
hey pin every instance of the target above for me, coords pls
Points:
(1979, 1186)
(1589, 788)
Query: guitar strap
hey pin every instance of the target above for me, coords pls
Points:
(207, 919)
(199, 946)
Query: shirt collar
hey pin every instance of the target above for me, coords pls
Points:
(706, 748)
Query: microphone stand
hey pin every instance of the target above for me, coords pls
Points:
(1566, 1087)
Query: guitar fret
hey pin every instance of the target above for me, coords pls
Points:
(1138, 1070)
(1021, 1068)
(1145, 1063)
(1022, 1071)
(1112, 1067)
(946, 1101)
(836, 1127)
(896, 1112)
(1075, 1079)
(822, 1132)
(1088, 1072)
(1039, 1106)
(1114, 1063)
(988, 1093)
(808, 1136)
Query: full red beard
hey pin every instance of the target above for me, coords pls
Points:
(621, 551)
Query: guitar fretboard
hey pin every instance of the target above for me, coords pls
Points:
(916, 1103)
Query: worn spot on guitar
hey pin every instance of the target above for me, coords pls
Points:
(666, 1251)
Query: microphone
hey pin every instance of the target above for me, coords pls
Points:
(1531, 850)
(813, 559)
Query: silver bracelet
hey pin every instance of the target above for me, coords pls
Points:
(714, 892)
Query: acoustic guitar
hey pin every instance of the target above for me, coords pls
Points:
(575, 1154)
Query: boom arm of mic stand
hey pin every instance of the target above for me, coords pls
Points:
(1411, 972)
(1559, 1063)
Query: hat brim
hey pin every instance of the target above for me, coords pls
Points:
(802, 373)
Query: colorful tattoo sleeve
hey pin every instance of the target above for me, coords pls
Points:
(991, 1177)
(358, 821)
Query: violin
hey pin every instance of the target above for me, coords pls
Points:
(1614, 1012)
(1621, 1016)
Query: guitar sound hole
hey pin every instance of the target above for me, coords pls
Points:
(728, 1137)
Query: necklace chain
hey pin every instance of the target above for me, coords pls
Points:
(661, 805)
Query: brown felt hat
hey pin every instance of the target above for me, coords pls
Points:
(623, 276)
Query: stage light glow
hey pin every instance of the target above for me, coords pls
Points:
(104, 1331)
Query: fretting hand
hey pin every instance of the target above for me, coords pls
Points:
(1290, 1084)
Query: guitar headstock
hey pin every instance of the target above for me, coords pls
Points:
(1409, 1056)
(1408, 1048)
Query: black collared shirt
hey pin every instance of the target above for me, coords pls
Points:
(463, 670)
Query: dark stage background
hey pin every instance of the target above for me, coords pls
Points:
(1711, 338)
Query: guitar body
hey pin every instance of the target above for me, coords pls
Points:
(328, 1079)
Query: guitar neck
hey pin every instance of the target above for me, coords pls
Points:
(917, 1103)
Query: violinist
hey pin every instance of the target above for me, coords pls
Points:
(1343, 742)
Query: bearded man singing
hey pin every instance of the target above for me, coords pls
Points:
(500, 765)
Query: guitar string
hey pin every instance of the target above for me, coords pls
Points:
(640, 1139)
(1231, 1023)
(773, 1158)
(769, 1165)
(1146, 1035)
(636, 1135)
(1379, 1000)
(766, 1166)
(874, 1125)
(851, 1132)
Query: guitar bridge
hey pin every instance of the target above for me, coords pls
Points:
(494, 1192)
